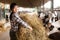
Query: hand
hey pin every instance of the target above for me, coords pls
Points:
(30, 28)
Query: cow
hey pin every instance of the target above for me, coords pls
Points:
(53, 17)
(44, 17)
(54, 32)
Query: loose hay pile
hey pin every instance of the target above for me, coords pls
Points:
(38, 32)
(4, 26)
(2, 22)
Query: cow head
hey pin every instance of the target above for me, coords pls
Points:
(54, 32)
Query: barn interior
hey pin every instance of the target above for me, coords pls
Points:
(45, 13)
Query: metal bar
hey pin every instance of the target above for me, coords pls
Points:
(43, 6)
(52, 5)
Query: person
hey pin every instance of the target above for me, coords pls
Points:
(15, 20)
(6, 17)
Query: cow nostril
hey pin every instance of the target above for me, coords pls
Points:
(59, 29)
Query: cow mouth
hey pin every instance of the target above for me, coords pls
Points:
(55, 36)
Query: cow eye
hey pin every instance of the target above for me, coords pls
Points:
(59, 29)
(51, 27)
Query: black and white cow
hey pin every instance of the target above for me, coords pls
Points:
(44, 17)
(53, 17)
(54, 28)
(54, 32)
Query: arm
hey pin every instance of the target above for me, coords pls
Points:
(19, 20)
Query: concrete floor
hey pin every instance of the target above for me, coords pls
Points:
(4, 35)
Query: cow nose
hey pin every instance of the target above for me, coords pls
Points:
(59, 29)
(55, 36)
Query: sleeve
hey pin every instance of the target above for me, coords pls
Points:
(19, 20)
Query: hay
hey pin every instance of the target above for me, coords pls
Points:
(38, 32)
(2, 22)
(4, 26)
